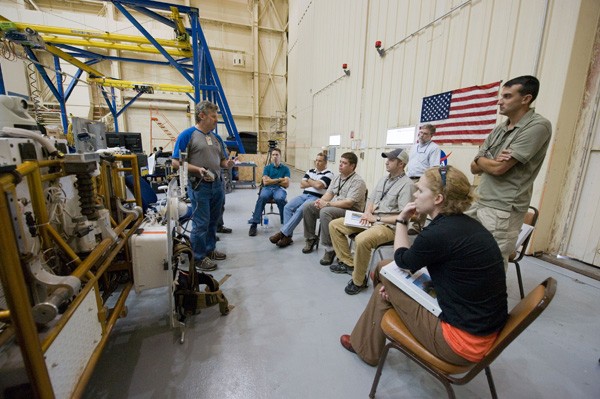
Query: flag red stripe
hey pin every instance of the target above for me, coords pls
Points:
(473, 123)
(484, 87)
(467, 103)
(481, 113)
(476, 105)
(472, 97)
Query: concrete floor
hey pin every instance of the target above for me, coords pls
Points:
(282, 338)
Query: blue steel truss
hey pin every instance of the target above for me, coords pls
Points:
(199, 71)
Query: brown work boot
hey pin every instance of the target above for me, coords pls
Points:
(328, 258)
(205, 264)
(285, 241)
(275, 238)
(309, 245)
(216, 255)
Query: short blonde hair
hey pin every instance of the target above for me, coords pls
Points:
(457, 192)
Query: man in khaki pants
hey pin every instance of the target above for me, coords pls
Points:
(508, 161)
(385, 203)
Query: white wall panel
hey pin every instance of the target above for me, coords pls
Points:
(476, 44)
(480, 42)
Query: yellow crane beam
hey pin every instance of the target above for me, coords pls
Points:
(81, 65)
(182, 34)
(127, 84)
(113, 38)
(138, 48)
(52, 35)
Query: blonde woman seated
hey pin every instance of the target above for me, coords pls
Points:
(466, 268)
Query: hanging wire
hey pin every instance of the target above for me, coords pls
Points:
(7, 50)
(35, 92)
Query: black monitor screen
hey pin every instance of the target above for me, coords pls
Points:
(113, 140)
(131, 141)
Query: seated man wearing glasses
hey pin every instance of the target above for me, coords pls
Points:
(390, 196)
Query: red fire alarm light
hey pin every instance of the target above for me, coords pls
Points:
(346, 70)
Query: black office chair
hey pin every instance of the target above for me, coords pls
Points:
(148, 195)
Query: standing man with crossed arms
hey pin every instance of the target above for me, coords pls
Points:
(508, 161)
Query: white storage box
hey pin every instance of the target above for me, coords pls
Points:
(149, 256)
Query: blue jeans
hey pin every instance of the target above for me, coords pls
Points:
(267, 193)
(292, 213)
(207, 203)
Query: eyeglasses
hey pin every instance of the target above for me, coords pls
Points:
(443, 170)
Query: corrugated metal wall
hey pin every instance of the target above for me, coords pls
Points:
(471, 43)
(436, 46)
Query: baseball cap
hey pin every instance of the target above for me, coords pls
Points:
(398, 153)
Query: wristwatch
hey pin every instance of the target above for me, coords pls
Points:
(379, 218)
(401, 221)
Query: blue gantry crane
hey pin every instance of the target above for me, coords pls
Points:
(188, 54)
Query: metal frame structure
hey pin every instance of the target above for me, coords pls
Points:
(91, 270)
(189, 54)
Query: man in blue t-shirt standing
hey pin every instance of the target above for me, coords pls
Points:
(206, 155)
(276, 178)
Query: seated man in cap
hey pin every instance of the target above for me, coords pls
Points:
(390, 196)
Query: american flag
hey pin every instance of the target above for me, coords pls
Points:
(462, 116)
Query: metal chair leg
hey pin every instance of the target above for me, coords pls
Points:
(488, 374)
(519, 279)
(318, 237)
(379, 369)
(182, 332)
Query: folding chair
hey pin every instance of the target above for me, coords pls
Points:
(272, 210)
(531, 218)
(519, 318)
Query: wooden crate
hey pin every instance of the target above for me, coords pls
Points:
(246, 173)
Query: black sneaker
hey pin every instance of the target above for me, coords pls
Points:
(252, 231)
(224, 230)
(353, 289)
(341, 268)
